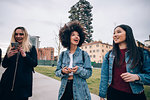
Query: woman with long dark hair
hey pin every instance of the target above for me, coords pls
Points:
(74, 65)
(125, 69)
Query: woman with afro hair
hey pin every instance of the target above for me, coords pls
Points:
(72, 67)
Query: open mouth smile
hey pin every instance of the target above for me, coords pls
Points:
(19, 39)
(76, 41)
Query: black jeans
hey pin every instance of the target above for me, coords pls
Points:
(68, 94)
(113, 94)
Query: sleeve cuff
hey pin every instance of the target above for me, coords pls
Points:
(139, 81)
(78, 70)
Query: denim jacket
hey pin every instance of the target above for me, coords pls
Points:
(80, 87)
(136, 86)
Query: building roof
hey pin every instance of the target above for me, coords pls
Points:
(95, 42)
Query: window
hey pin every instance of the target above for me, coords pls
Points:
(94, 56)
(102, 50)
(93, 50)
(99, 61)
(90, 56)
(90, 46)
(51, 57)
(97, 50)
(90, 51)
(52, 53)
(106, 46)
(85, 47)
(97, 45)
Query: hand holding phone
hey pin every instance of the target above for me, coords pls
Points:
(15, 45)
(13, 50)
(65, 70)
(69, 70)
(74, 69)
(22, 51)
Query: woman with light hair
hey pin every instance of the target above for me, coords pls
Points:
(19, 61)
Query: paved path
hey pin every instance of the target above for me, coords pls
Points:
(45, 88)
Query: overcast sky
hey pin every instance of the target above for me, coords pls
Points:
(43, 18)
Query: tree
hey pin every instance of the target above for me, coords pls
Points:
(58, 45)
(81, 11)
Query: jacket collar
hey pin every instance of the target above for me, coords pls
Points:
(76, 52)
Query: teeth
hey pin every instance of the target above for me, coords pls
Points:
(19, 38)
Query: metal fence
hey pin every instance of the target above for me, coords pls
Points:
(47, 62)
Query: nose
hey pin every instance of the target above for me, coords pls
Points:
(18, 35)
(77, 36)
(114, 35)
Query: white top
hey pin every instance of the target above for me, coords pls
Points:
(71, 62)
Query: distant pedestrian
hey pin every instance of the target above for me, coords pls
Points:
(52, 65)
(125, 69)
(74, 65)
(19, 61)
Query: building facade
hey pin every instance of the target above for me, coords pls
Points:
(45, 53)
(147, 42)
(96, 50)
(35, 41)
(55, 58)
(139, 44)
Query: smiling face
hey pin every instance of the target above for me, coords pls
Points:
(74, 38)
(119, 35)
(19, 36)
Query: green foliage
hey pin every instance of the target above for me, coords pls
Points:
(47, 62)
(93, 81)
(48, 71)
(96, 65)
(147, 91)
(81, 11)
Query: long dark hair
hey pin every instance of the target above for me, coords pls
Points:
(131, 47)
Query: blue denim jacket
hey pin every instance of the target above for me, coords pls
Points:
(136, 86)
(80, 87)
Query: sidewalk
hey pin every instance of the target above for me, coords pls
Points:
(45, 88)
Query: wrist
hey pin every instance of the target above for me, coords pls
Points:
(137, 77)
(24, 54)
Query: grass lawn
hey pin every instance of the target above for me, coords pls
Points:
(93, 81)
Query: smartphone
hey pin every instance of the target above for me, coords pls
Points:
(15, 45)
